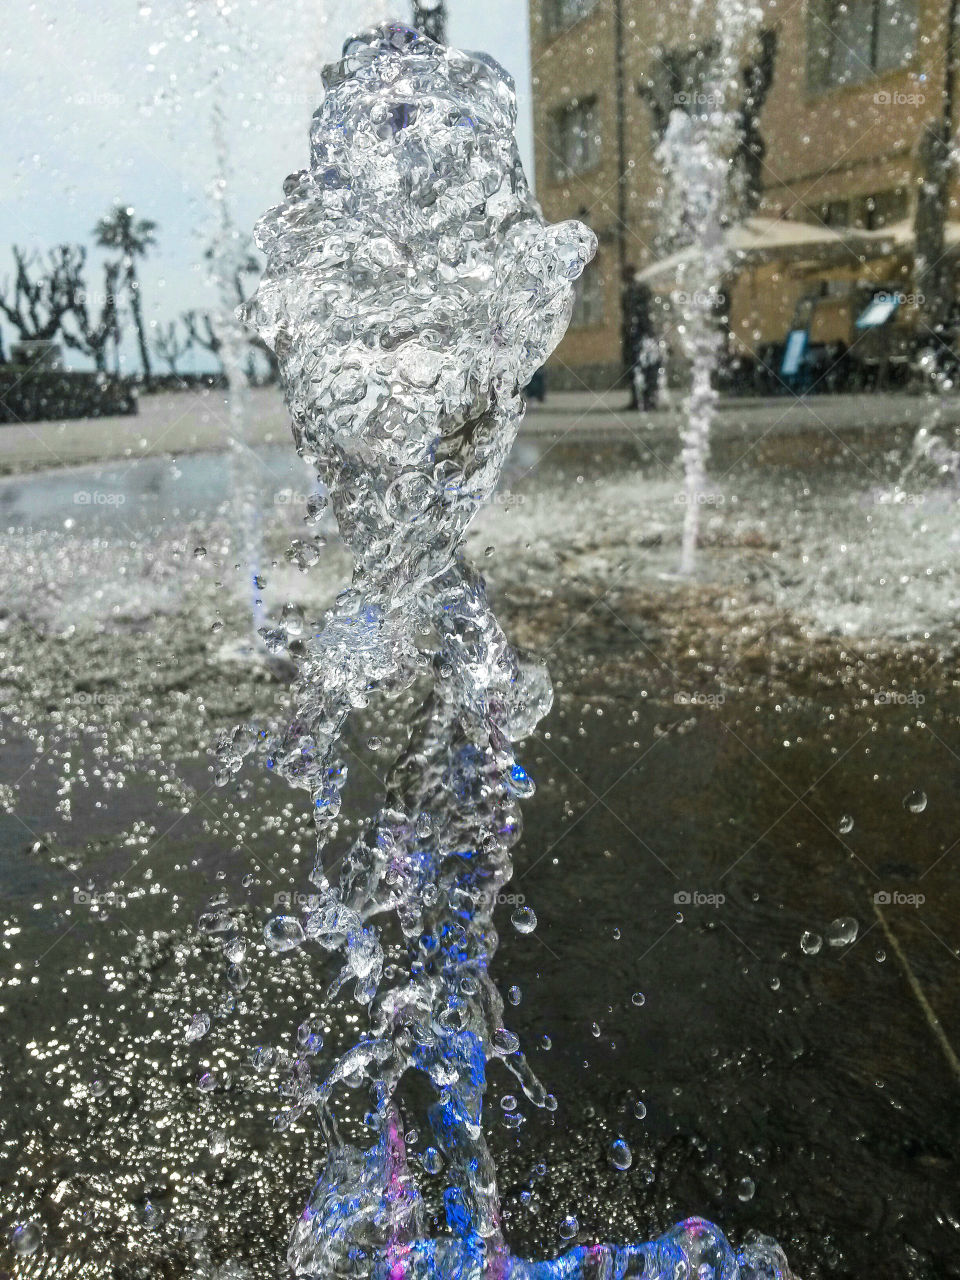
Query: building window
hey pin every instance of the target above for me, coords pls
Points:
(576, 138)
(588, 299)
(835, 213)
(884, 209)
(850, 41)
(866, 213)
(564, 13)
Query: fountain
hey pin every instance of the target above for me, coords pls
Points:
(411, 288)
(228, 262)
(697, 153)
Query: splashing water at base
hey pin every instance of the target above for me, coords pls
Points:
(412, 287)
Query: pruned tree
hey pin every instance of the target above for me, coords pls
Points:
(93, 336)
(42, 291)
(247, 265)
(134, 237)
(170, 346)
(202, 333)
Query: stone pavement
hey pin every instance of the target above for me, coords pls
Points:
(198, 421)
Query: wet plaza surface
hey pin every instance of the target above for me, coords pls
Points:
(742, 855)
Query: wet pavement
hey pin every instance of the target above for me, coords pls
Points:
(733, 764)
(198, 421)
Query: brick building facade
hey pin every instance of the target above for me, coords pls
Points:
(844, 90)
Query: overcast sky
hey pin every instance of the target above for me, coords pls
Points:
(108, 100)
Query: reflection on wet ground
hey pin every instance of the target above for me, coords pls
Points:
(733, 765)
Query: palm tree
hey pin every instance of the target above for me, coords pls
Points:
(133, 236)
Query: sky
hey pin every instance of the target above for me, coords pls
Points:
(112, 100)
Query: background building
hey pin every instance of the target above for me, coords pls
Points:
(840, 101)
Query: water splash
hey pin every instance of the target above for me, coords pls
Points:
(412, 287)
(697, 154)
(227, 265)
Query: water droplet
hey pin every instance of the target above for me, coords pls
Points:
(746, 1189)
(309, 1040)
(292, 618)
(639, 999)
(843, 931)
(640, 1110)
(283, 933)
(524, 919)
(621, 1157)
(505, 1042)
(215, 922)
(508, 1102)
(234, 950)
(520, 782)
(218, 1142)
(845, 825)
(569, 1227)
(810, 943)
(915, 801)
(199, 1026)
(207, 1082)
(26, 1239)
(880, 956)
(431, 1160)
(513, 995)
(200, 553)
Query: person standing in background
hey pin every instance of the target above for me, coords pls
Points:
(641, 347)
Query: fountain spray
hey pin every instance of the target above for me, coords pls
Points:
(697, 153)
(412, 287)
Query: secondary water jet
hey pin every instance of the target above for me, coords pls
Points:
(412, 287)
(697, 153)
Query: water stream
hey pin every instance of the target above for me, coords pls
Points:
(411, 289)
(697, 154)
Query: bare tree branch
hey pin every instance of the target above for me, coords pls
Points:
(42, 293)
